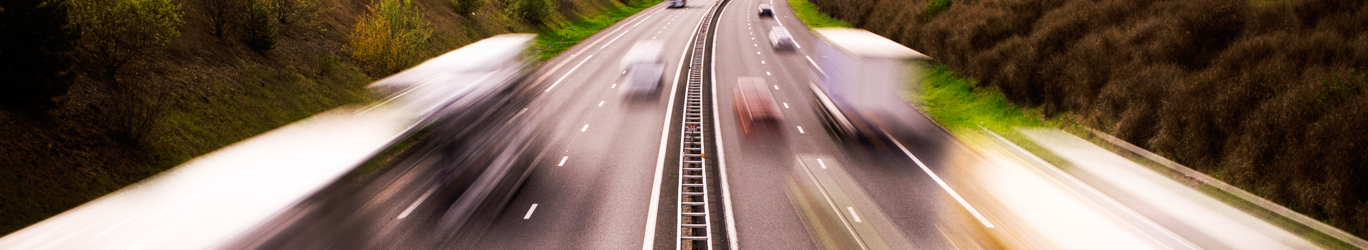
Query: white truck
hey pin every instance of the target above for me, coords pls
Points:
(863, 75)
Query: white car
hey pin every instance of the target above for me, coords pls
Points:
(780, 39)
(643, 69)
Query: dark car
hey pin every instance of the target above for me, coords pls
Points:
(766, 10)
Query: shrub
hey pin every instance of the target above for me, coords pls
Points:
(385, 40)
(535, 11)
(935, 7)
(465, 7)
(33, 51)
(258, 25)
(113, 32)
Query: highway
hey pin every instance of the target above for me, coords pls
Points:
(759, 162)
(488, 151)
(597, 157)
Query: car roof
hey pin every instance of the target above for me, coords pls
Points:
(864, 43)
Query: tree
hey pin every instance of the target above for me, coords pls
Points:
(259, 25)
(221, 15)
(33, 53)
(536, 11)
(114, 32)
(386, 39)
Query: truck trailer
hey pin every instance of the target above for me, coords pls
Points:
(862, 77)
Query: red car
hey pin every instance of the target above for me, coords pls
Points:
(754, 103)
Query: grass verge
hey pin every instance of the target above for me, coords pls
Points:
(552, 41)
(808, 13)
(959, 103)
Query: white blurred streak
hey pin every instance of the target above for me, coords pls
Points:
(473, 71)
(214, 198)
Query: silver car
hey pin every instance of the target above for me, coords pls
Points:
(780, 39)
(766, 10)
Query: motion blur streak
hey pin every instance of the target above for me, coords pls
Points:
(208, 201)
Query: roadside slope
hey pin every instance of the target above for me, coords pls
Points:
(214, 92)
(1265, 95)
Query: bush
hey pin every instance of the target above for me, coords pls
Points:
(465, 7)
(33, 57)
(258, 25)
(535, 11)
(114, 32)
(935, 7)
(385, 40)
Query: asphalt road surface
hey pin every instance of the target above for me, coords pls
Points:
(593, 155)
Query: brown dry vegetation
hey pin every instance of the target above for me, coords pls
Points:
(211, 92)
(1264, 94)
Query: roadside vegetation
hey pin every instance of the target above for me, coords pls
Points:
(812, 16)
(100, 94)
(1265, 95)
(552, 41)
(958, 103)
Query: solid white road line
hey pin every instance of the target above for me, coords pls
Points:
(572, 56)
(562, 163)
(649, 238)
(529, 211)
(639, 21)
(853, 215)
(567, 73)
(732, 241)
(942, 184)
(415, 203)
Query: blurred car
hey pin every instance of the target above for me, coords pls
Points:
(643, 68)
(766, 10)
(780, 39)
(676, 4)
(643, 79)
(754, 103)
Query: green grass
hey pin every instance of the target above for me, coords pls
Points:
(808, 13)
(959, 103)
(263, 99)
(552, 41)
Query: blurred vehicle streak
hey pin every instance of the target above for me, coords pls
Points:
(216, 198)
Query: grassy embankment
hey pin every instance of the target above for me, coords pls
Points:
(1268, 96)
(551, 42)
(213, 91)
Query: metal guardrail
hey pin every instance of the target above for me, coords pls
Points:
(694, 221)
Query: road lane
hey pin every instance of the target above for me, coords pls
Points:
(599, 198)
(759, 161)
